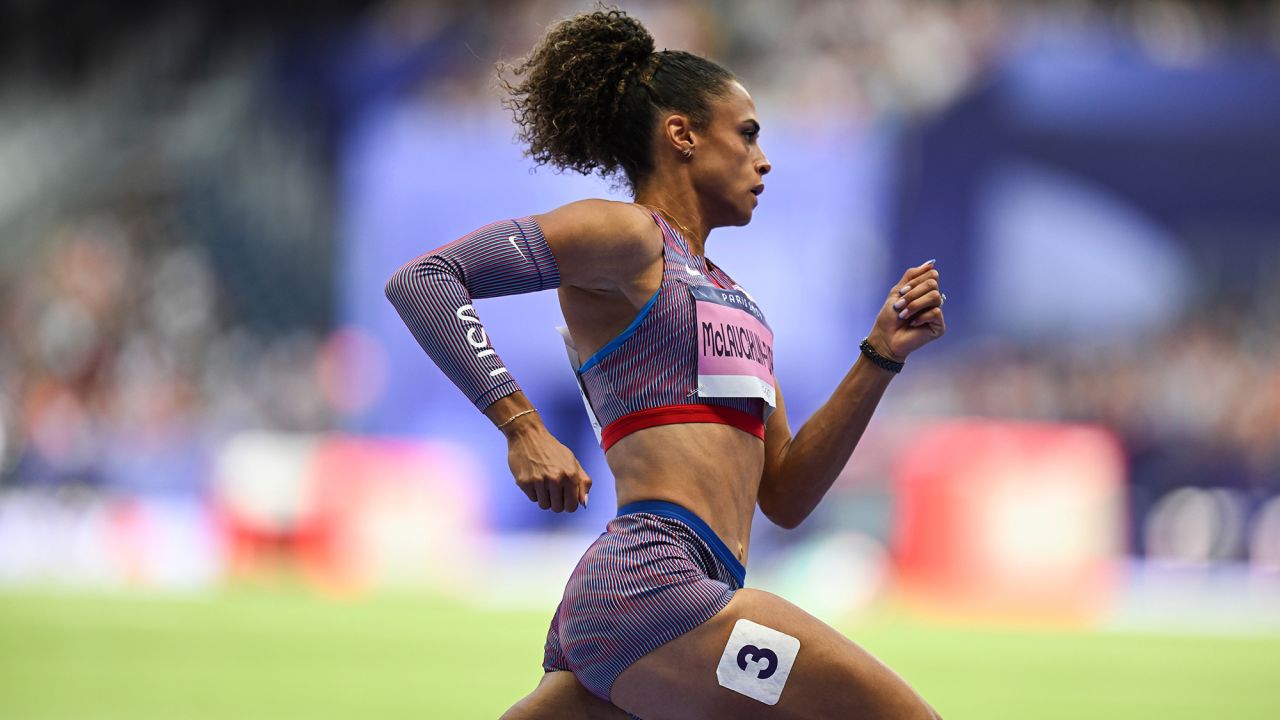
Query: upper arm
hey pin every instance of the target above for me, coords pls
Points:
(597, 243)
(777, 439)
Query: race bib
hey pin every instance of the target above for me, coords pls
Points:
(735, 345)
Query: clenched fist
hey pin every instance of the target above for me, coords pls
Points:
(911, 316)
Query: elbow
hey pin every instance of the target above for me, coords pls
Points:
(783, 523)
(786, 521)
(399, 284)
(779, 512)
(395, 286)
(407, 281)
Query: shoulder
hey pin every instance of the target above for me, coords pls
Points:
(602, 221)
(598, 242)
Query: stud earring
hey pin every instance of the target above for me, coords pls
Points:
(687, 152)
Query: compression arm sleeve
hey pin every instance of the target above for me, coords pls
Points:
(433, 295)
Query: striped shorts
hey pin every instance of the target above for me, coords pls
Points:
(657, 572)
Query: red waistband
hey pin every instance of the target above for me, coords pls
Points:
(675, 414)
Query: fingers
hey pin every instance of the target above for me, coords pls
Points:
(528, 490)
(574, 490)
(912, 314)
(556, 490)
(550, 494)
(931, 300)
(921, 293)
(548, 473)
(932, 318)
(559, 494)
(914, 279)
(913, 272)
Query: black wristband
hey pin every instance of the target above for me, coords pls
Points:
(879, 360)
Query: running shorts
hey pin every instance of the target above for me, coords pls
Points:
(657, 572)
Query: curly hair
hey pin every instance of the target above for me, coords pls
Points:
(587, 97)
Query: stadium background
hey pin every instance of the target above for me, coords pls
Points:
(231, 485)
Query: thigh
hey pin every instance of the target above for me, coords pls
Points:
(560, 695)
(831, 676)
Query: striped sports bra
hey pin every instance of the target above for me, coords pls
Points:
(699, 350)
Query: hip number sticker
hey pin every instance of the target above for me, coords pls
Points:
(757, 661)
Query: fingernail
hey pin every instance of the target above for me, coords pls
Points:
(904, 289)
(902, 315)
(584, 500)
(897, 305)
(930, 262)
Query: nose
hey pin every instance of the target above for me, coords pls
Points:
(764, 166)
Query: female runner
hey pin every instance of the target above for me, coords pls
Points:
(676, 363)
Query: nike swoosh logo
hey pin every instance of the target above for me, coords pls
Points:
(691, 271)
(516, 245)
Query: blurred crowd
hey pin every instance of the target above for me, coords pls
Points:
(124, 362)
(816, 58)
(150, 310)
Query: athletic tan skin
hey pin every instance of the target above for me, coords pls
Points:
(610, 256)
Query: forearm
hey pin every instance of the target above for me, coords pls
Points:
(821, 448)
(802, 468)
(433, 295)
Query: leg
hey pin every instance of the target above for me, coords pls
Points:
(832, 677)
(560, 695)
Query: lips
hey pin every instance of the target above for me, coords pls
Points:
(757, 190)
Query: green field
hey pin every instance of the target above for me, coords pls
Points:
(283, 654)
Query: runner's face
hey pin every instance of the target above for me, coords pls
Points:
(728, 165)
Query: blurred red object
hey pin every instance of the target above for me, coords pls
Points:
(1010, 521)
(350, 513)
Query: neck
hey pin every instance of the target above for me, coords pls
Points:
(682, 214)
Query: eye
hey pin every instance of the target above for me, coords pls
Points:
(751, 134)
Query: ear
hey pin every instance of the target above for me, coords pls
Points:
(678, 134)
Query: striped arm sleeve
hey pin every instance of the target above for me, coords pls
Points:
(433, 295)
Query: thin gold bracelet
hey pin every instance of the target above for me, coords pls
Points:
(513, 417)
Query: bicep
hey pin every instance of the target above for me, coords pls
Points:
(596, 243)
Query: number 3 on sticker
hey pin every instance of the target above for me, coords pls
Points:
(759, 655)
(757, 661)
